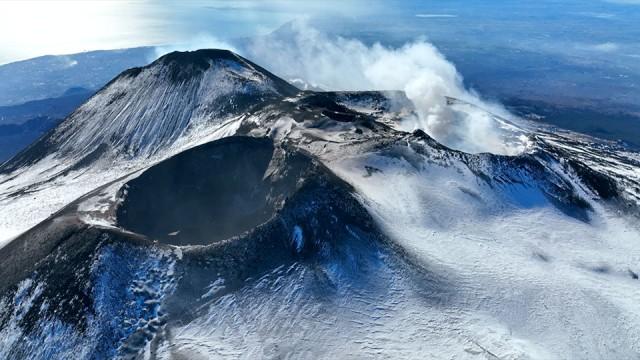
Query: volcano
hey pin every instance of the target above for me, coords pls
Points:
(202, 207)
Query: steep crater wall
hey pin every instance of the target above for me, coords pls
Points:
(210, 193)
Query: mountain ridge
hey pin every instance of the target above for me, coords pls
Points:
(196, 204)
(190, 74)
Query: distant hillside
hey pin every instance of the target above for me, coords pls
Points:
(51, 76)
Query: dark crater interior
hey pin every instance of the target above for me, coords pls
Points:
(206, 194)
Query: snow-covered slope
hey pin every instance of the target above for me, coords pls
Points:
(534, 276)
(145, 110)
(318, 230)
(142, 116)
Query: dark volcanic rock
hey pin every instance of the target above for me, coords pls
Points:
(211, 192)
(257, 206)
(145, 110)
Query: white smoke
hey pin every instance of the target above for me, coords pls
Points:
(301, 52)
(418, 68)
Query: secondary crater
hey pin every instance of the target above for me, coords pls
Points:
(203, 195)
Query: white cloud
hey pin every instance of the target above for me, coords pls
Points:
(40, 27)
(597, 15)
(606, 47)
(429, 16)
(418, 68)
(32, 28)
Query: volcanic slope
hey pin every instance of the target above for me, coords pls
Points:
(305, 224)
(142, 116)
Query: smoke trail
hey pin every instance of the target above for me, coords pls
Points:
(300, 51)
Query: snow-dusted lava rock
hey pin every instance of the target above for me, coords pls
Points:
(200, 207)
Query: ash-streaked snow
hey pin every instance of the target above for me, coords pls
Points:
(140, 118)
(523, 268)
(530, 256)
